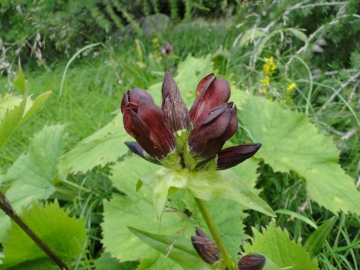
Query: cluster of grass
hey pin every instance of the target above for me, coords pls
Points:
(94, 86)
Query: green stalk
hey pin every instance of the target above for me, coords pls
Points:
(209, 222)
(6, 207)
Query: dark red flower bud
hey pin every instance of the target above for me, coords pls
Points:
(205, 247)
(210, 93)
(252, 262)
(232, 156)
(175, 112)
(144, 121)
(208, 136)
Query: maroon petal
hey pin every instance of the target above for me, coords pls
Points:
(252, 262)
(209, 136)
(142, 136)
(160, 134)
(232, 156)
(210, 94)
(134, 97)
(175, 112)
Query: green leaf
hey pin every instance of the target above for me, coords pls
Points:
(291, 143)
(206, 186)
(279, 250)
(106, 262)
(15, 110)
(33, 106)
(137, 209)
(297, 33)
(175, 248)
(298, 216)
(225, 184)
(316, 240)
(20, 82)
(39, 264)
(64, 235)
(104, 146)
(249, 36)
(31, 176)
(11, 116)
(155, 260)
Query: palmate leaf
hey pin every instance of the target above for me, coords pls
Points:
(31, 176)
(137, 210)
(104, 146)
(279, 250)
(292, 143)
(64, 235)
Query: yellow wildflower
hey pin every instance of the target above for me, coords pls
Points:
(269, 67)
(291, 87)
(155, 40)
(265, 81)
(263, 91)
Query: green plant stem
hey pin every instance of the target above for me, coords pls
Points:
(33, 236)
(209, 222)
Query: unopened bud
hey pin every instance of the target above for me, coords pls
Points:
(252, 262)
(205, 247)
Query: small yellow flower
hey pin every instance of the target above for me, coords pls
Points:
(265, 81)
(269, 60)
(291, 87)
(269, 67)
(155, 40)
(263, 91)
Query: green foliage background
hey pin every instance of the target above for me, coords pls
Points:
(307, 169)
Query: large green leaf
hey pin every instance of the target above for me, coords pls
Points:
(31, 176)
(137, 210)
(177, 249)
(64, 235)
(279, 250)
(104, 146)
(292, 143)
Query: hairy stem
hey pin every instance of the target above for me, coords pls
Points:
(209, 222)
(6, 207)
